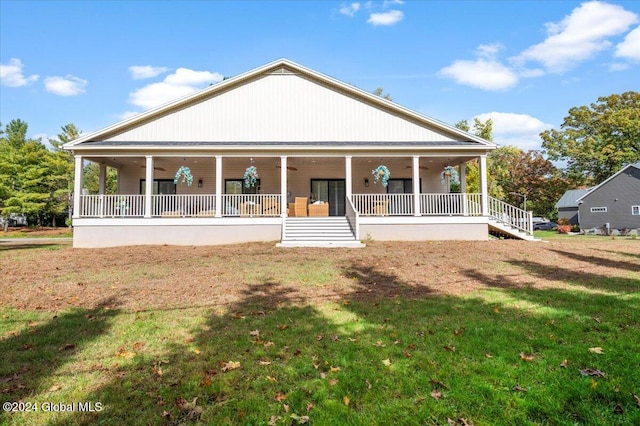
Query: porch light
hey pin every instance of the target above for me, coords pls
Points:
(200, 183)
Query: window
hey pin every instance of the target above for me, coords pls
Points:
(236, 186)
(598, 209)
(635, 210)
(160, 186)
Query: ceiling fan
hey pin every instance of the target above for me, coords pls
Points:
(158, 169)
(295, 169)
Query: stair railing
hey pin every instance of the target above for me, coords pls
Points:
(353, 218)
(511, 215)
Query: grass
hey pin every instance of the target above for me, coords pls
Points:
(507, 354)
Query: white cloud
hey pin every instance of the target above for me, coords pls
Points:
(139, 72)
(65, 86)
(481, 73)
(520, 130)
(386, 18)
(388, 3)
(579, 36)
(349, 9)
(619, 67)
(489, 50)
(630, 47)
(11, 74)
(181, 83)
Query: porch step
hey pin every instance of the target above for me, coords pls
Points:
(509, 231)
(333, 231)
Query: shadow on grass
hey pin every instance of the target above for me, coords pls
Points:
(376, 356)
(31, 245)
(601, 261)
(622, 253)
(31, 357)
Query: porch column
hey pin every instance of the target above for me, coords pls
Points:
(218, 185)
(283, 186)
(416, 185)
(463, 178)
(349, 177)
(77, 186)
(148, 187)
(102, 180)
(484, 191)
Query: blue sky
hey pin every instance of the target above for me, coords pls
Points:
(522, 63)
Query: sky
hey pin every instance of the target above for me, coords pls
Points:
(523, 64)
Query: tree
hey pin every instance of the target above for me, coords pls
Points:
(61, 178)
(485, 131)
(598, 140)
(378, 92)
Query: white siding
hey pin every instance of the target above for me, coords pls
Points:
(281, 108)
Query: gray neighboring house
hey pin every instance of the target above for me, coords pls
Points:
(567, 205)
(614, 204)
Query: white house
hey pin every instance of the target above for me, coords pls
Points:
(314, 142)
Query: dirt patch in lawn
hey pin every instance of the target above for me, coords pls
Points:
(36, 232)
(53, 277)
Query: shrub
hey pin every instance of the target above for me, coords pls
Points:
(563, 221)
(564, 229)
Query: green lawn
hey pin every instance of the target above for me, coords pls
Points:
(508, 354)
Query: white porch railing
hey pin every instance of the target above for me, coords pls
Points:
(511, 215)
(251, 205)
(111, 205)
(183, 205)
(352, 218)
(450, 204)
(383, 204)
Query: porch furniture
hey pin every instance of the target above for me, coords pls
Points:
(381, 208)
(250, 209)
(299, 207)
(172, 213)
(271, 207)
(206, 213)
(319, 210)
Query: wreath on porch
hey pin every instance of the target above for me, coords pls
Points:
(184, 173)
(451, 173)
(381, 173)
(251, 177)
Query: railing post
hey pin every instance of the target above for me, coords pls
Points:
(283, 186)
(218, 202)
(148, 186)
(416, 185)
(484, 189)
(77, 186)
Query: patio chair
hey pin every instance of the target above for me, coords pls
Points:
(271, 207)
(299, 207)
(381, 208)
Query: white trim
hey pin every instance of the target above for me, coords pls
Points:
(255, 73)
(635, 210)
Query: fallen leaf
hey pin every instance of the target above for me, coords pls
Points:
(320, 337)
(323, 375)
(68, 347)
(310, 406)
(297, 353)
(286, 408)
(386, 362)
(594, 384)
(206, 381)
(157, 370)
(496, 310)
(137, 346)
(458, 331)
(618, 409)
(527, 357)
(596, 319)
(488, 355)
(436, 394)
(280, 396)
(352, 339)
(379, 344)
(346, 302)
(333, 382)
(637, 398)
(519, 388)
(369, 385)
(254, 333)
(268, 344)
(412, 346)
(273, 420)
(231, 365)
(592, 372)
(197, 351)
(238, 315)
(283, 326)
(334, 338)
(271, 379)
(55, 388)
(564, 363)
(335, 369)
(166, 415)
(264, 362)
(596, 350)
(407, 355)
(449, 348)
(300, 419)
(26, 347)
(346, 400)
(316, 366)
(438, 383)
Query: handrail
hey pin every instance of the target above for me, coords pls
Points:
(511, 215)
(353, 218)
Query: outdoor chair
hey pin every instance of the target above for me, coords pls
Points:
(299, 208)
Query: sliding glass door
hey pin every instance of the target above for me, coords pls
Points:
(332, 191)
